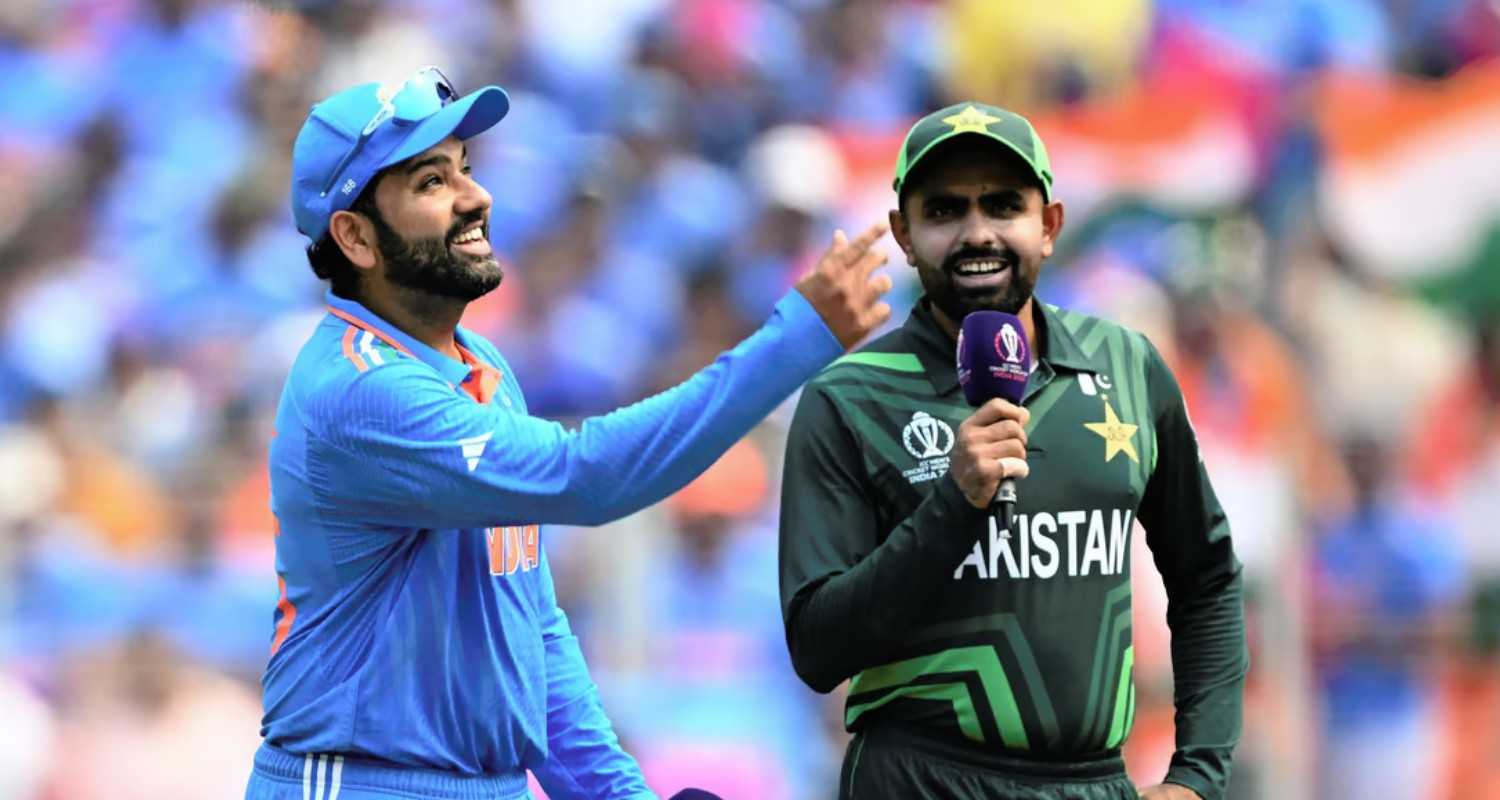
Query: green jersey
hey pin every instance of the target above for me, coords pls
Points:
(1016, 641)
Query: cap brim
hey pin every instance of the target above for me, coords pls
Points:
(471, 114)
(1004, 143)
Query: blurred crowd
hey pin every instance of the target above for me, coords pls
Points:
(1298, 200)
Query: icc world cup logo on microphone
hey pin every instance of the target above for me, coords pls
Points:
(1008, 344)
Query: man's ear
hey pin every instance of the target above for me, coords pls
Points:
(1052, 225)
(902, 234)
(355, 235)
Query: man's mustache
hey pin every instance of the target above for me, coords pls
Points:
(465, 222)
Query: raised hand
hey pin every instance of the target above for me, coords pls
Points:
(844, 289)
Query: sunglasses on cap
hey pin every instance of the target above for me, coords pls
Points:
(419, 97)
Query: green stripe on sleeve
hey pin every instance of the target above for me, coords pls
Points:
(977, 659)
(847, 377)
(955, 693)
(1119, 728)
(1140, 386)
(1124, 397)
(1109, 626)
(1031, 674)
(900, 362)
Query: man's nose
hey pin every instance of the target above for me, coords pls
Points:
(472, 196)
(979, 231)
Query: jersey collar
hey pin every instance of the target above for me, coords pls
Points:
(1060, 348)
(357, 315)
(936, 350)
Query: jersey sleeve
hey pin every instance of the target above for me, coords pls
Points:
(1188, 534)
(837, 573)
(584, 759)
(400, 447)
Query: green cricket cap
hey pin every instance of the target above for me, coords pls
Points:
(1006, 127)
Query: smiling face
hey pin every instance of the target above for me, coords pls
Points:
(431, 232)
(976, 227)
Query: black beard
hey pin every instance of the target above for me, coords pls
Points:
(429, 265)
(939, 285)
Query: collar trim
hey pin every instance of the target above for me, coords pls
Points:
(362, 325)
(356, 314)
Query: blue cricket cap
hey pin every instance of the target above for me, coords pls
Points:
(354, 134)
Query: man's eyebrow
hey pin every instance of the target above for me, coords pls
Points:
(433, 160)
(938, 198)
(1008, 193)
(430, 161)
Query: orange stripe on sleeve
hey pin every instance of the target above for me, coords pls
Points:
(288, 614)
(350, 353)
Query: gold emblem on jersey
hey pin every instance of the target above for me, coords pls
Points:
(1117, 435)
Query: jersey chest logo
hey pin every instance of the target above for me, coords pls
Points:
(1118, 436)
(929, 440)
(927, 436)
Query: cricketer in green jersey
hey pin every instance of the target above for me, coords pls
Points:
(985, 662)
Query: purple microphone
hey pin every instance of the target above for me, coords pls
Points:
(994, 360)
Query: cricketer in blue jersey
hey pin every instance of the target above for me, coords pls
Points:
(418, 648)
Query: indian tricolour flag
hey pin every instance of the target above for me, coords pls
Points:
(1179, 146)
(1411, 187)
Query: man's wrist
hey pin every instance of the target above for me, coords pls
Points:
(822, 345)
(1197, 784)
(933, 523)
(955, 501)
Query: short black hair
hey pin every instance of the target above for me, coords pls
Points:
(329, 263)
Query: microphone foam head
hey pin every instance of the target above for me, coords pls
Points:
(994, 358)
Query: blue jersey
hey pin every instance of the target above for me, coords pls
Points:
(417, 624)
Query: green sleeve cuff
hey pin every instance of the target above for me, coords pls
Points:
(1206, 789)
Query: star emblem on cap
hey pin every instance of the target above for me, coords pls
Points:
(1117, 435)
(971, 120)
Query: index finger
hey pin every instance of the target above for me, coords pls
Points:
(863, 241)
(871, 235)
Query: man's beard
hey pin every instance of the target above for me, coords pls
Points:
(429, 264)
(956, 303)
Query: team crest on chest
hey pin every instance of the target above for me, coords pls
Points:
(929, 440)
(1118, 436)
